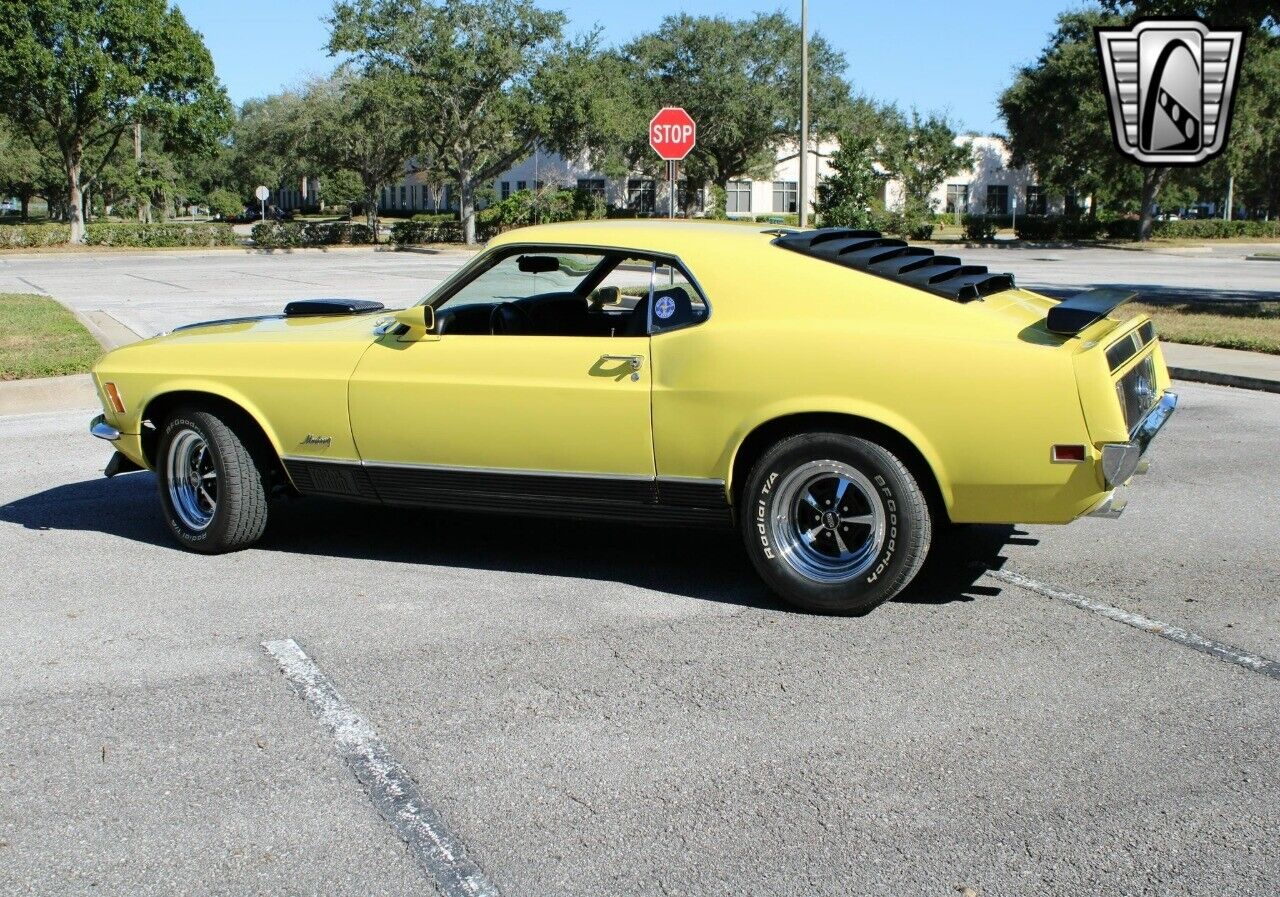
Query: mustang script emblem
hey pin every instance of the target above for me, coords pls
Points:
(1171, 84)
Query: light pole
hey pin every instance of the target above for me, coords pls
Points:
(804, 114)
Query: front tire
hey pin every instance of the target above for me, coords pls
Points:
(834, 523)
(211, 488)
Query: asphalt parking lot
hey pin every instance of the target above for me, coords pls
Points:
(595, 710)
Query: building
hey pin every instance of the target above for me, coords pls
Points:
(991, 186)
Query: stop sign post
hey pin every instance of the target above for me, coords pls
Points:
(673, 134)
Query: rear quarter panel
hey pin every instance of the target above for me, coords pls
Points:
(980, 393)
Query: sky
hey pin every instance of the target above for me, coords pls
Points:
(952, 57)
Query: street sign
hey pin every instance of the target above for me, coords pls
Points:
(672, 133)
(262, 193)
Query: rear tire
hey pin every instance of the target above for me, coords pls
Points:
(834, 523)
(211, 487)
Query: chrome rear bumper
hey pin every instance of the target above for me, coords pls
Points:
(1121, 460)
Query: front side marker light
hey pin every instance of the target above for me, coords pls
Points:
(113, 397)
(1067, 454)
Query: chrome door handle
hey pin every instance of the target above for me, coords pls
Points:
(634, 360)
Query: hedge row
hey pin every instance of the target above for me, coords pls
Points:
(118, 233)
(122, 233)
(1211, 228)
(298, 235)
(25, 236)
(413, 233)
(1054, 228)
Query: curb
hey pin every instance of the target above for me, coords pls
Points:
(40, 395)
(1218, 378)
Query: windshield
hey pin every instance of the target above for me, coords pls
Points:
(525, 274)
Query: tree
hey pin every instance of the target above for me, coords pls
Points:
(22, 171)
(353, 123)
(853, 193)
(922, 152)
(475, 70)
(740, 80)
(88, 69)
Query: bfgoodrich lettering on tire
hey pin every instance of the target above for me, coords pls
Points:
(211, 488)
(834, 523)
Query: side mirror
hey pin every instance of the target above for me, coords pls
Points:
(420, 319)
(608, 296)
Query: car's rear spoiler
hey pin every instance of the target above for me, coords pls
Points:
(1075, 313)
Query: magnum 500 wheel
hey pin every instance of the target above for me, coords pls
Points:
(210, 486)
(834, 523)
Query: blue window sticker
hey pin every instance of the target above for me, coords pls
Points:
(665, 307)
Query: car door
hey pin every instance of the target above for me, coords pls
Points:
(466, 412)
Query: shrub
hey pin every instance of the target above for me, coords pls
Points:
(1214, 229)
(909, 225)
(226, 203)
(979, 227)
(416, 233)
(296, 235)
(133, 233)
(436, 217)
(25, 236)
(717, 203)
(1058, 228)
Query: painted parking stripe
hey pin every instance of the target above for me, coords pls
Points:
(1183, 637)
(390, 787)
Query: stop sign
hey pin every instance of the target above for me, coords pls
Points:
(672, 133)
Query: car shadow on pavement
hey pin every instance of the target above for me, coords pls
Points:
(707, 564)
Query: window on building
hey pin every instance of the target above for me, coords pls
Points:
(594, 186)
(506, 189)
(522, 185)
(404, 201)
(957, 197)
(737, 197)
(538, 185)
(641, 195)
(997, 199)
(785, 197)
(1037, 203)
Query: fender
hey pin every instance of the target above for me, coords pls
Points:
(847, 407)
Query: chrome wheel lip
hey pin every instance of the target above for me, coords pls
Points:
(192, 479)
(826, 553)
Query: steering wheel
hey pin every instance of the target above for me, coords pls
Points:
(508, 319)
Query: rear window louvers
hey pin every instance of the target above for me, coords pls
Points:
(915, 266)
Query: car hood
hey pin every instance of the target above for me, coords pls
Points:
(277, 328)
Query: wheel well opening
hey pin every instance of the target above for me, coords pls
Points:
(245, 425)
(760, 439)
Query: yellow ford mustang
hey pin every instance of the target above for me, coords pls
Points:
(837, 395)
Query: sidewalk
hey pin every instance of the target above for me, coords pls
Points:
(1223, 367)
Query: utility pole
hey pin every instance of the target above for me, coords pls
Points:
(1231, 191)
(803, 210)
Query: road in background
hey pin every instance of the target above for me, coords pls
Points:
(157, 291)
(604, 710)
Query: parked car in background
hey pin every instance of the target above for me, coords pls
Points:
(840, 397)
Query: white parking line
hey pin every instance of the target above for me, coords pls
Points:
(1183, 637)
(390, 787)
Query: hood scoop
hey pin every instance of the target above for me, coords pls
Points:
(308, 307)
